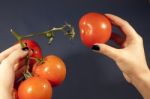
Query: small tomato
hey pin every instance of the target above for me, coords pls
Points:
(53, 69)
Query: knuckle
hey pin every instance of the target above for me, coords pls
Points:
(126, 22)
(140, 39)
(5, 62)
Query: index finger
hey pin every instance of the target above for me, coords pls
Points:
(14, 57)
(8, 51)
(124, 25)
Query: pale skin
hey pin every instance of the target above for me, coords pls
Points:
(130, 59)
(9, 62)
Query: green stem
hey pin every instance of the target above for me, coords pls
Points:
(33, 34)
(38, 60)
(18, 37)
(54, 30)
(27, 63)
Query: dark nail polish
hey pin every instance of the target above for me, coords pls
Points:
(95, 47)
(25, 49)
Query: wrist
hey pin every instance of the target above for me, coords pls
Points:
(142, 78)
(142, 83)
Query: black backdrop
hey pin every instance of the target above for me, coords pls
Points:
(89, 75)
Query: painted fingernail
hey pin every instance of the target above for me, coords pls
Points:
(25, 49)
(95, 47)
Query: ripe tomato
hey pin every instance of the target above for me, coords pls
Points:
(53, 69)
(35, 88)
(94, 28)
(36, 51)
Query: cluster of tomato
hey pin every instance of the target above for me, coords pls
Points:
(51, 70)
(42, 76)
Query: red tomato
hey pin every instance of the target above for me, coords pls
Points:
(94, 28)
(53, 69)
(19, 77)
(35, 88)
(36, 51)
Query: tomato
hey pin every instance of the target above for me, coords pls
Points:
(36, 51)
(19, 77)
(53, 69)
(35, 88)
(94, 28)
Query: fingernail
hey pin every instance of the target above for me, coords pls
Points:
(25, 49)
(95, 47)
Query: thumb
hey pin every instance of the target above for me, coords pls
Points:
(107, 50)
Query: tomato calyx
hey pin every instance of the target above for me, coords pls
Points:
(27, 74)
(38, 60)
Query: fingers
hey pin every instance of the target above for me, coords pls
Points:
(14, 57)
(107, 50)
(118, 39)
(124, 25)
(19, 64)
(19, 72)
(5, 53)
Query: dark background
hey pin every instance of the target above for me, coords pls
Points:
(89, 75)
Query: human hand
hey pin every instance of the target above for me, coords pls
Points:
(9, 62)
(131, 57)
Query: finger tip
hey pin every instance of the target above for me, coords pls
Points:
(96, 47)
(98, 44)
(107, 14)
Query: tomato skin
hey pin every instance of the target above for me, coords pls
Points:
(94, 28)
(53, 69)
(35, 50)
(35, 88)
